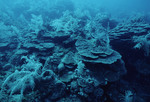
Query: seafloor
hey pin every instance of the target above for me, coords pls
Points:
(62, 54)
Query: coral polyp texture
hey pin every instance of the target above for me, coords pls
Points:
(74, 51)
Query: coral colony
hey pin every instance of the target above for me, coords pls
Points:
(58, 51)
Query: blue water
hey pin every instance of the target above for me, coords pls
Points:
(74, 51)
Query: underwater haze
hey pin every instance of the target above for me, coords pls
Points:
(74, 51)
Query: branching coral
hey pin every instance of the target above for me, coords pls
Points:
(31, 64)
(143, 42)
(22, 81)
(7, 32)
(67, 23)
(36, 23)
(19, 82)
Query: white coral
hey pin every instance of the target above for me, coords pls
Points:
(18, 82)
(22, 81)
(142, 42)
(67, 23)
(36, 23)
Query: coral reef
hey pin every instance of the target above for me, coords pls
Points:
(58, 52)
